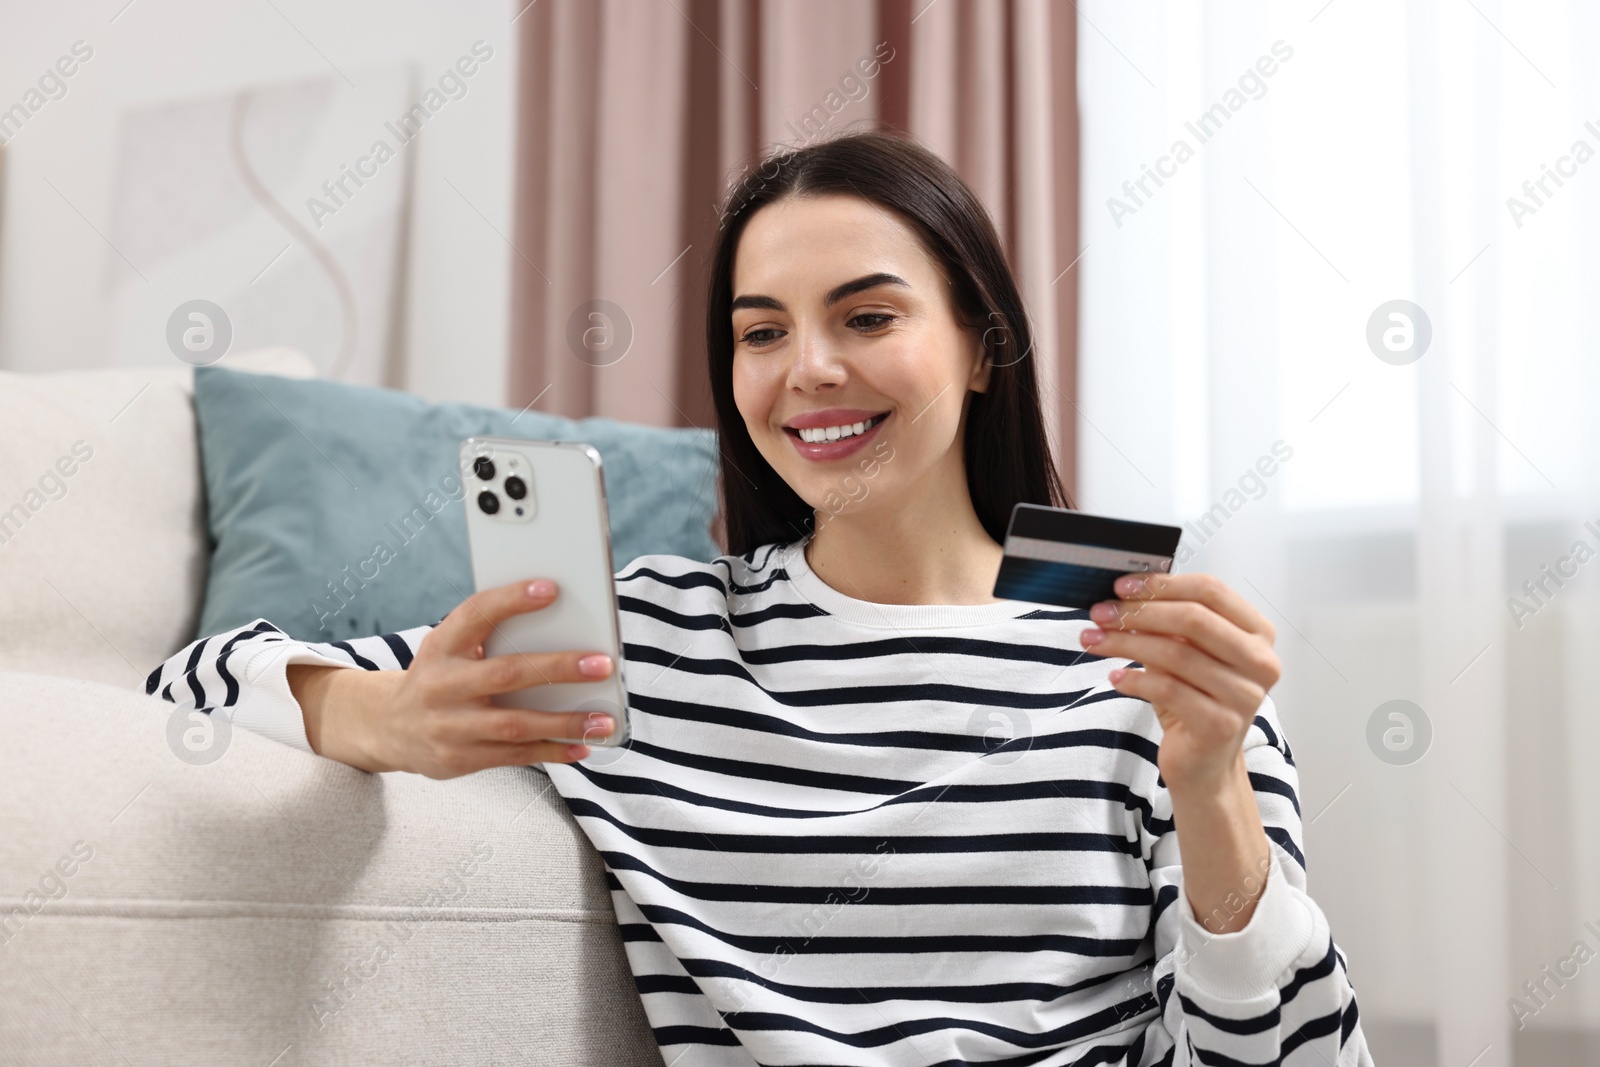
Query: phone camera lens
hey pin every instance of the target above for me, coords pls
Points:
(488, 503)
(483, 467)
(516, 488)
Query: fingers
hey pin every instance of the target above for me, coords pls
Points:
(540, 752)
(456, 741)
(1176, 701)
(1249, 653)
(475, 618)
(1191, 665)
(476, 679)
(1206, 589)
(519, 726)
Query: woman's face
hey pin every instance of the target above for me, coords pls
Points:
(850, 368)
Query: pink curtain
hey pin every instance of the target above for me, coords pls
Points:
(635, 115)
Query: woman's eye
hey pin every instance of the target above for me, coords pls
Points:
(871, 320)
(761, 338)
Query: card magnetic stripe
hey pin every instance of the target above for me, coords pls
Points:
(1037, 522)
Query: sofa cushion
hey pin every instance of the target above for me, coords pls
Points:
(336, 510)
(102, 537)
(271, 906)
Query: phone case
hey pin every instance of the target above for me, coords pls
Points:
(558, 529)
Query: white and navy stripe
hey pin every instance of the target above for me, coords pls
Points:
(848, 833)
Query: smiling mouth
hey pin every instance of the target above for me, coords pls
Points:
(822, 434)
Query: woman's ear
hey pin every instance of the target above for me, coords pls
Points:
(978, 382)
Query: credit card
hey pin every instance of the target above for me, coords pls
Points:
(1069, 559)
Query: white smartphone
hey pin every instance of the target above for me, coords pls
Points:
(537, 509)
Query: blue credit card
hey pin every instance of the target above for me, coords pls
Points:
(1072, 560)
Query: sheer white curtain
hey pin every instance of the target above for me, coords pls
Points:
(1258, 182)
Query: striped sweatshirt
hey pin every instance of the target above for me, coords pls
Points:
(856, 833)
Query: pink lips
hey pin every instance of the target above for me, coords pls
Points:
(827, 451)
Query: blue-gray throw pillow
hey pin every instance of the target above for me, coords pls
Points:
(335, 510)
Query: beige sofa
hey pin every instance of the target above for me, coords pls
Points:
(162, 904)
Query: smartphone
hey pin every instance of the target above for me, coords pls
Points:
(537, 509)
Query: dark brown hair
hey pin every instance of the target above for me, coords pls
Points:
(1006, 450)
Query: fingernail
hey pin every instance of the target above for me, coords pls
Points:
(1091, 636)
(1104, 612)
(595, 666)
(1130, 585)
(1116, 675)
(577, 751)
(542, 589)
(599, 724)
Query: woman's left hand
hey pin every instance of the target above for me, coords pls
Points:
(1207, 665)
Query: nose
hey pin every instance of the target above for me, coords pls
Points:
(817, 365)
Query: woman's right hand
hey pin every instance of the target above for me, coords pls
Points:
(435, 718)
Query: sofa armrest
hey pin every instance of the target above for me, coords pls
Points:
(162, 903)
(103, 543)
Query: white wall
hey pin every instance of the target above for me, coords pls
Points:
(57, 273)
(1230, 309)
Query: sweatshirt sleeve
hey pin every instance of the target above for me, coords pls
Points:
(245, 671)
(1276, 990)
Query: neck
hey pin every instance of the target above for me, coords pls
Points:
(931, 550)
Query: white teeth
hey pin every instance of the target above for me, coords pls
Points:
(815, 434)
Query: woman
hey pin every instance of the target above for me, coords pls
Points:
(818, 855)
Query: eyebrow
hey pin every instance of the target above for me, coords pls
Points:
(836, 294)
